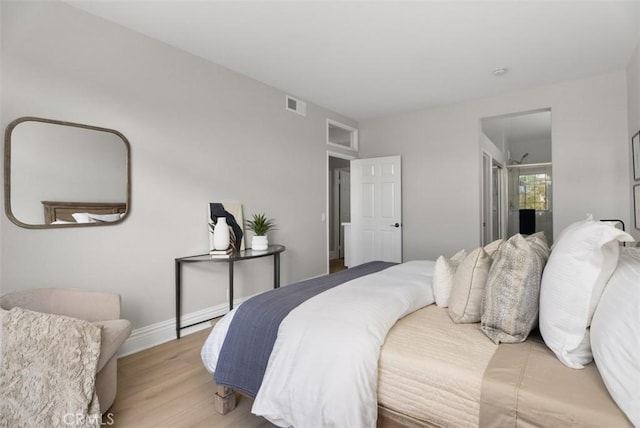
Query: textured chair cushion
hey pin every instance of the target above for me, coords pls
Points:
(114, 334)
(2, 314)
(101, 308)
(511, 299)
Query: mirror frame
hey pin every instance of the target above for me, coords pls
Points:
(7, 173)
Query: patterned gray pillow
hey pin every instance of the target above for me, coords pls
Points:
(512, 294)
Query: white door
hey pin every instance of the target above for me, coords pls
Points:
(376, 210)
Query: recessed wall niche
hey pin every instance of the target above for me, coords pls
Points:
(341, 135)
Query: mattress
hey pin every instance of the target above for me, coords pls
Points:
(526, 385)
(431, 369)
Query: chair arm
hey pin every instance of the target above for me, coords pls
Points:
(87, 305)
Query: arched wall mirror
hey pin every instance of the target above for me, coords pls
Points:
(63, 174)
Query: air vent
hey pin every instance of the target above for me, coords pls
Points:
(296, 106)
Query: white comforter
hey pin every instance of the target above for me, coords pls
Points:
(323, 369)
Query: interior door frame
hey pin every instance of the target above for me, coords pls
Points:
(487, 201)
(327, 212)
(341, 183)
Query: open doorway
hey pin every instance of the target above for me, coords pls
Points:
(524, 141)
(338, 209)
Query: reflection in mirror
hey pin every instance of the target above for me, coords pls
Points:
(61, 174)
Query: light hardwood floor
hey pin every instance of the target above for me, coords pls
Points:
(336, 265)
(168, 386)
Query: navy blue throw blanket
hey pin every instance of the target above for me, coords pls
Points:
(253, 330)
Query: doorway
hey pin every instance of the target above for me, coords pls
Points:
(338, 209)
(523, 140)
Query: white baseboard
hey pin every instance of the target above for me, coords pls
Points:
(165, 331)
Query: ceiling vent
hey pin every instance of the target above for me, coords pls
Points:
(296, 106)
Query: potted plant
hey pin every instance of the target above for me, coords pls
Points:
(260, 225)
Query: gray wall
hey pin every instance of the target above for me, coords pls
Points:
(539, 150)
(441, 161)
(199, 133)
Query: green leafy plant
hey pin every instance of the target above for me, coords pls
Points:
(260, 224)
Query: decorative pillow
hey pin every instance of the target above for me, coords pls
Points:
(468, 287)
(580, 264)
(492, 247)
(105, 217)
(82, 218)
(615, 335)
(510, 303)
(443, 277)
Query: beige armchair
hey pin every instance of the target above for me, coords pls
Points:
(102, 309)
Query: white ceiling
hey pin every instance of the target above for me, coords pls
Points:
(367, 59)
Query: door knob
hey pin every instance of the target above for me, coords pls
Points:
(395, 225)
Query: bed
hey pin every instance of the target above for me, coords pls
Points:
(427, 370)
(60, 212)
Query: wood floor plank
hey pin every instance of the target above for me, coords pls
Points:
(168, 386)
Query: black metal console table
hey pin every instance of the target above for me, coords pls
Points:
(272, 250)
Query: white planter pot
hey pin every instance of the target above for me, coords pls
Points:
(259, 242)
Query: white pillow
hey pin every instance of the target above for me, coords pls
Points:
(468, 287)
(615, 335)
(95, 218)
(469, 282)
(580, 264)
(83, 218)
(105, 217)
(443, 273)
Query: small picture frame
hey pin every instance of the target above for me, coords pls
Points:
(232, 211)
(635, 152)
(636, 205)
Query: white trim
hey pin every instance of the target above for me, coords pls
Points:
(485, 197)
(529, 165)
(353, 143)
(165, 331)
(347, 156)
